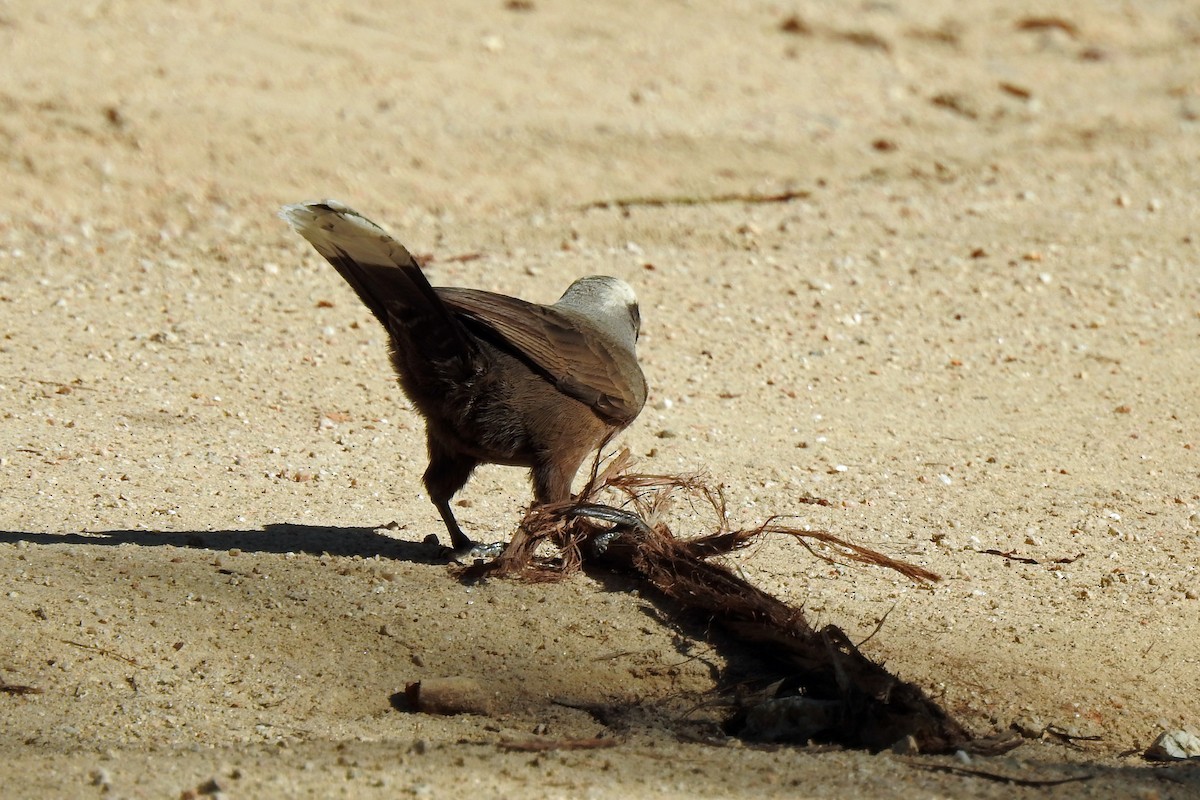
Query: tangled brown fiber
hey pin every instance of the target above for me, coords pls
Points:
(569, 527)
(822, 687)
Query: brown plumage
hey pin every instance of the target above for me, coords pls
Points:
(499, 380)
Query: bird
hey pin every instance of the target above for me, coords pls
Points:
(498, 380)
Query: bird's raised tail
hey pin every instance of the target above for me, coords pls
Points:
(382, 272)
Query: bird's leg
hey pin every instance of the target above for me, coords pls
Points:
(552, 483)
(447, 473)
(552, 476)
(458, 539)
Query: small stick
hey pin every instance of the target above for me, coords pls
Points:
(999, 777)
(17, 688)
(543, 745)
(697, 200)
(1012, 556)
(101, 651)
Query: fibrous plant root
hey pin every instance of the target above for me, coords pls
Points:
(823, 688)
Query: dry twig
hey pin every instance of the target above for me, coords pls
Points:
(698, 200)
(102, 651)
(541, 745)
(19, 688)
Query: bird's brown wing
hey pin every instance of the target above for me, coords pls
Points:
(579, 362)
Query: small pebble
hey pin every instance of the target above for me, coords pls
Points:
(1177, 745)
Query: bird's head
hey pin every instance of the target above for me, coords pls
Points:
(609, 303)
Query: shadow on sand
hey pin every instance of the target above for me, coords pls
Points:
(280, 537)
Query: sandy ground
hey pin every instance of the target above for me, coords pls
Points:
(976, 328)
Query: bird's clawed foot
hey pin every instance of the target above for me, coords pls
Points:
(621, 522)
(470, 552)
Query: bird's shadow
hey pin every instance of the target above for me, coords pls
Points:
(347, 542)
(280, 537)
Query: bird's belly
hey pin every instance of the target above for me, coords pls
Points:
(513, 416)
